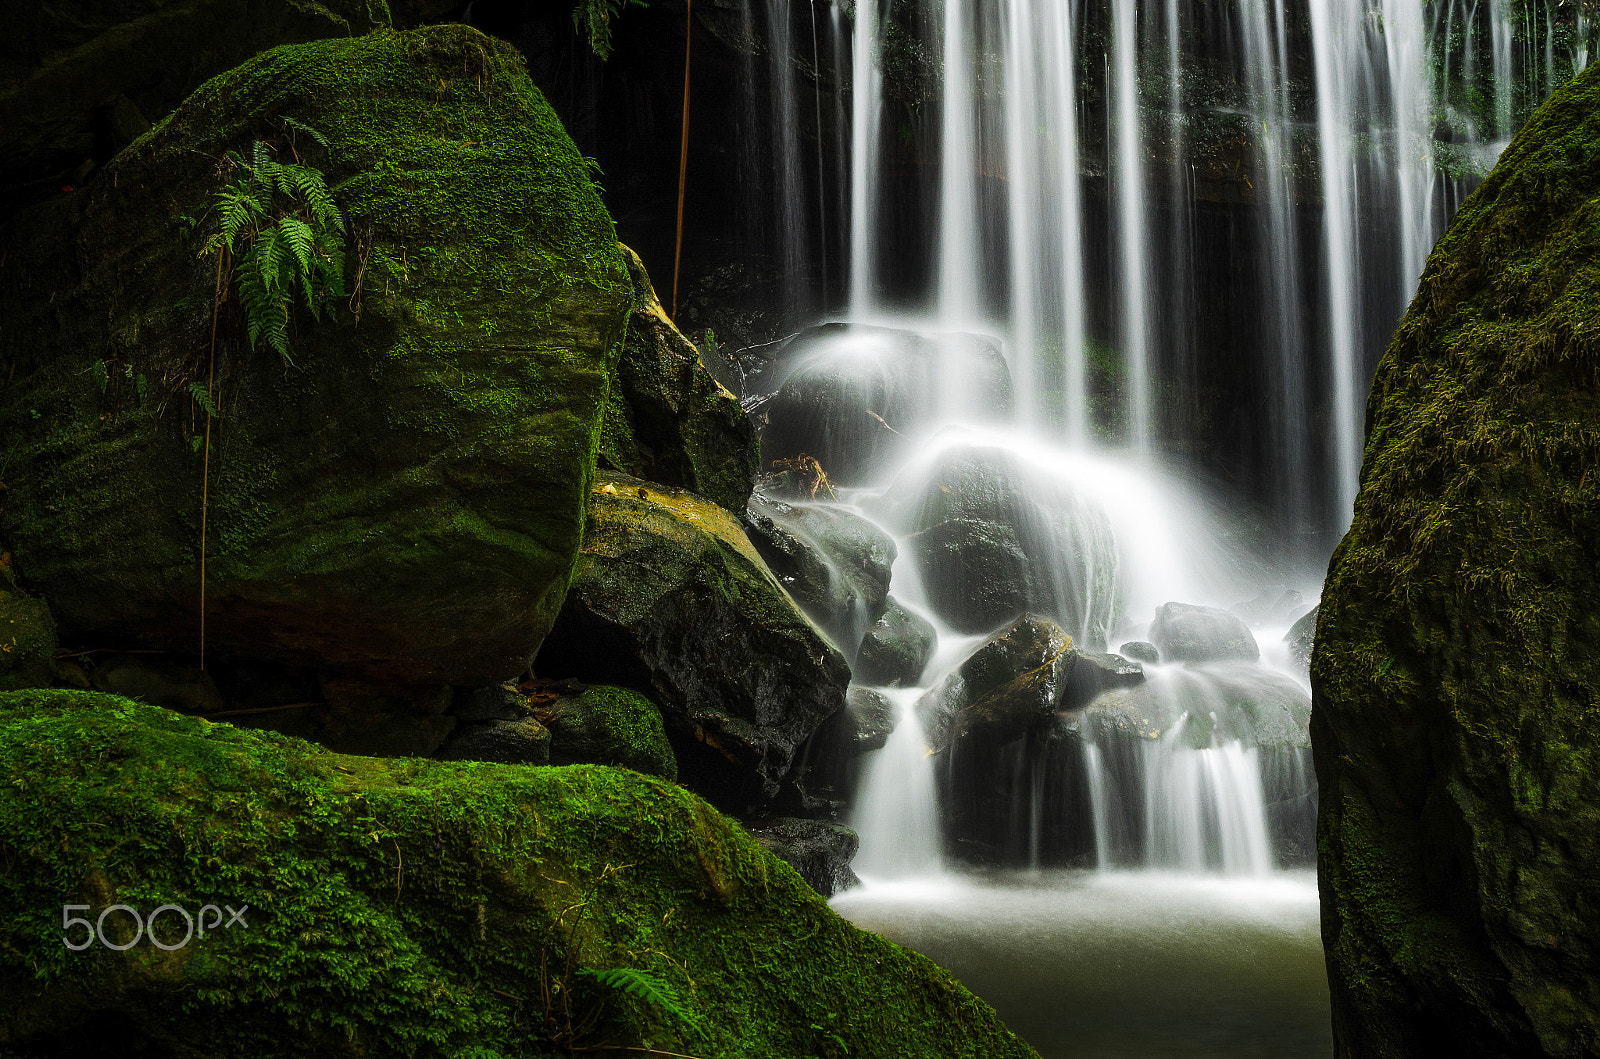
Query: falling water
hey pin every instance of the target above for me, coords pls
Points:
(866, 111)
(899, 819)
(959, 246)
(1129, 173)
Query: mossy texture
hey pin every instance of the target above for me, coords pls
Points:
(408, 907)
(670, 598)
(667, 420)
(70, 69)
(405, 500)
(610, 726)
(1456, 669)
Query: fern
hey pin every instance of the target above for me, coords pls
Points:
(203, 399)
(593, 18)
(285, 231)
(650, 988)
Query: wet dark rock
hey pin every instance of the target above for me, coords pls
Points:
(854, 397)
(158, 680)
(27, 638)
(1093, 673)
(609, 726)
(871, 718)
(819, 851)
(1186, 633)
(497, 702)
(896, 650)
(520, 742)
(996, 536)
(379, 719)
(832, 562)
(1005, 687)
(1140, 651)
(1221, 701)
(1302, 638)
(667, 419)
(670, 598)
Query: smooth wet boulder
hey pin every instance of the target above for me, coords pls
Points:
(404, 501)
(896, 650)
(1011, 682)
(1215, 703)
(819, 851)
(1302, 638)
(1094, 673)
(854, 396)
(1140, 651)
(27, 638)
(832, 562)
(1186, 633)
(869, 718)
(402, 907)
(1272, 606)
(523, 741)
(81, 80)
(667, 419)
(159, 680)
(997, 534)
(1456, 669)
(608, 726)
(670, 598)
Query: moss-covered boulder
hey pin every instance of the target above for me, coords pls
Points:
(406, 907)
(1456, 668)
(667, 419)
(402, 502)
(27, 638)
(609, 726)
(670, 598)
(81, 78)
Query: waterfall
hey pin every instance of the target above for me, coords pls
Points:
(898, 820)
(866, 112)
(959, 246)
(1129, 175)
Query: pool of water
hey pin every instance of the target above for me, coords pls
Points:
(1135, 965)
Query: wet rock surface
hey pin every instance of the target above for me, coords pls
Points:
(832, 562)
(896, 650)
(819, 851)
(671, 599)
(1186, 633)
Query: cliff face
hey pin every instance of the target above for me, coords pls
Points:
(1457, 659)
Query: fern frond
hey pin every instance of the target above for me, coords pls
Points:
(650, 988)
(308, 130)
(311, 186)
(296, 235)
(203, 399)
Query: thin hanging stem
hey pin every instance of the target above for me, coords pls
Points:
(683, 152)
(205, 463)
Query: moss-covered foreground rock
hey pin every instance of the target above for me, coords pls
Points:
(667, 419)
(1456, 669)
(670, 598)
(405, 907)
(402, 503)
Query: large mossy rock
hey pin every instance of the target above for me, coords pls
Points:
(79, 78)
(609, 726)
(405, 907)
(404, 502)
(1456, 667)
(670, 598)
(667, 419)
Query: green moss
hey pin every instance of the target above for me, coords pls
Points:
(407, 907)
(1457, 661)
(407, 499)
(611, 726)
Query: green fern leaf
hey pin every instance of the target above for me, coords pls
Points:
(203, 399)
(300, 240)
(308, 130)
(650, 988)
